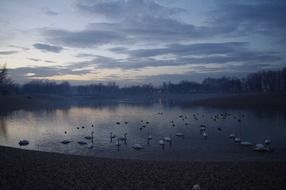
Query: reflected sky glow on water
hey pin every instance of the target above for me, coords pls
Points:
(45, 129)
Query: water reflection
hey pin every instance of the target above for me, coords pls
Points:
(3, 126)
(47, 129)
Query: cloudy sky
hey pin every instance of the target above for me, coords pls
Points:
(140, 41)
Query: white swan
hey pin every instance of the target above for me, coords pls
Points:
(179, 134)
(167, 139)
(124, 138)
(237, 140)
(246, 143)
(137, 146)
(260, 148)
(161, 142)
(203, 128)
(117, 143)
(267, 141)
(232, 135)
(205, 134)
(149, 138)
(196, 187)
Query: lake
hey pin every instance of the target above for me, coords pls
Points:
(47, 128)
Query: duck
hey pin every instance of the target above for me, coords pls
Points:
(23, 142)
(89, 137)
(90, 146)
(65, 142)
(82, 142)
(112, 136)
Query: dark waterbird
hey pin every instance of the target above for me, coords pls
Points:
(112, 136)
(23, 142)
(82, 142)
(65, 142)
(89, 137)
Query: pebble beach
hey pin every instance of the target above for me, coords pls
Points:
(26, 169)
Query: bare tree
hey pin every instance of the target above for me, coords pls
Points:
(6, 83)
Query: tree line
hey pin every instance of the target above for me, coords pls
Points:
(263, 81)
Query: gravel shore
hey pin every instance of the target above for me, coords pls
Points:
(25, 169)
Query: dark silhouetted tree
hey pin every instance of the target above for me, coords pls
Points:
(6, 84)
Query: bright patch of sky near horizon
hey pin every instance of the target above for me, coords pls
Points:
(139, 41)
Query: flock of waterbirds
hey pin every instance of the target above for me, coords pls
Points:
(119, 140)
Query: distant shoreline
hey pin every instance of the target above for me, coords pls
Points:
(26, 169)
(260, 100)
(246, 101)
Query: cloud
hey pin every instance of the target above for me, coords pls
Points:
(49, 61)
(85, 55)
(50, 12)
(48, 48)
(131, 31)
(186, 49)
(126, 8)
(33, 59)
(186, 54)
(85, 38)
(148, 22)
(23, 74)
(8, 52)
(128, 22)
(248, 17)
(138, 61)
(149, 34)
(19, 47)
(37, 60)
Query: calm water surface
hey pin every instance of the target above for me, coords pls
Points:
(45, 129)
